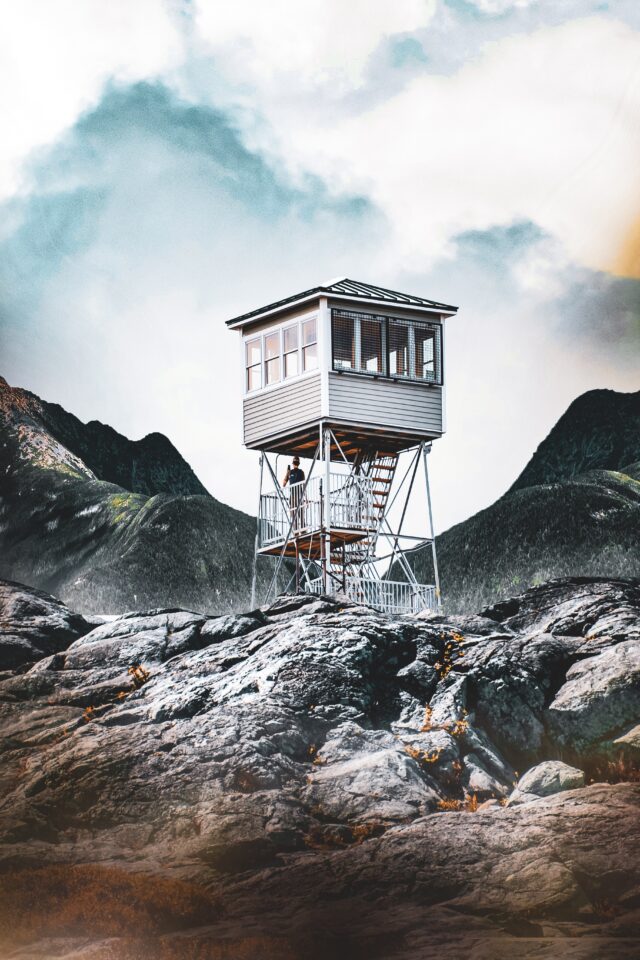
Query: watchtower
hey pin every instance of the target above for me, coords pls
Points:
(348, 377)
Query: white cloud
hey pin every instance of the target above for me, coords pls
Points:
(542, 127)
(497, 7)
(55, 56)
(304, 44)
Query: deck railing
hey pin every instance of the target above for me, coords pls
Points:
(299, 508)
(389, 596)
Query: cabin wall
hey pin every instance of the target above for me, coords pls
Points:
(378, 402)
(287, 406)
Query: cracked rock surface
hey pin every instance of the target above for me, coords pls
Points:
(336, 775)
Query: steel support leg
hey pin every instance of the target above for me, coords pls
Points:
(432, 532)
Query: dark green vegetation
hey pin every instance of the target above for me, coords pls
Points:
(574, 511)
(156, 538)
(599, 431)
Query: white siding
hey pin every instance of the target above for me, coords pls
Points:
(286, 407)
(366, 401)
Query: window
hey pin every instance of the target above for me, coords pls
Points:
(371, 345)
(272, 358)
(387, 346)
(357, 340)
(253, 361)
(398, 348)
(309, 344)
(425, 354)
(290, 351)
(281, 354)
(344, 341)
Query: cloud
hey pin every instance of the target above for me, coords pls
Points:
(318, 45)
(541, 127)
(56, 56)
(145, 228)
(498, 7)
(282, 148)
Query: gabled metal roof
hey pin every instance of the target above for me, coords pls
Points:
(353, 289)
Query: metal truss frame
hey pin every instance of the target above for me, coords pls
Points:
(369, 562)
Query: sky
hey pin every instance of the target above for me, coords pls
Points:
(167, 164)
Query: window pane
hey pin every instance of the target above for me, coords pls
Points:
(253, 352)
(343, 339)
(254, 378)
(425, 354)
(398, 349)
(371, 336)
(310, 356)
(272, 370)
(290, 339)
(309, 332)
(272, 346)
(291, 364)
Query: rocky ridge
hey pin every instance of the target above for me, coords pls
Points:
(110, 524)
(600, 430)
(342, 779)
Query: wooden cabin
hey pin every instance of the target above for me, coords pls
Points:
(366, 361)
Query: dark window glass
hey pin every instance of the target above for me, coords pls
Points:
(371, 346)
(398, 349)
(426, 356)
(344, 343)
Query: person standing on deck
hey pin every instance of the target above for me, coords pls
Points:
(294, 477)
(294, 474)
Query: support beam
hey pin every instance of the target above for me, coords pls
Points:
(436, 576)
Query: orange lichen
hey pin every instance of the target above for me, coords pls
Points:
(139, 676)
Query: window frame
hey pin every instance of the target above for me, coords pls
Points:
(412, 324)
(312, 343)
(279, 329)
(287, 353)
(252, 366)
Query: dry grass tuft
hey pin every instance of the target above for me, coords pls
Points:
(623, 769)
(469, 804)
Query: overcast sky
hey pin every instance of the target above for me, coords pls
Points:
(167, 165)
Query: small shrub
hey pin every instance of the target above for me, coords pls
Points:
(426, 723)
(139, 676)
(471, 803)
(423, 756)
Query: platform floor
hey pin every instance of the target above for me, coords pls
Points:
(308, 543)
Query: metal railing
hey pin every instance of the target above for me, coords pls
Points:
(299, 508)
(389, 596)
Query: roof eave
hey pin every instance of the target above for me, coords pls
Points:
(247, 318)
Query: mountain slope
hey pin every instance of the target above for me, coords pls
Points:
(588, 526)
(103, 547)
(576, 522)
(599, 431)
(151, 465)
